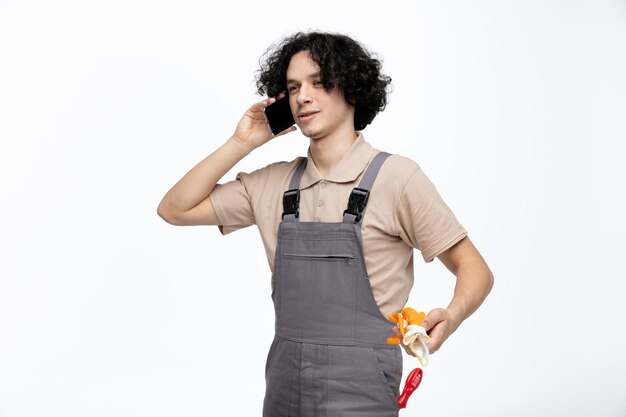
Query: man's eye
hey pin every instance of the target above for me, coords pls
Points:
(317, 82)
(292, 88)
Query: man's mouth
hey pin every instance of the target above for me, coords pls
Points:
(305, 116)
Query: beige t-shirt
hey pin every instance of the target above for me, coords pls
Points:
(404, 211)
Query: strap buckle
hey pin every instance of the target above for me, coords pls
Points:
(291, 202)
(356, 203)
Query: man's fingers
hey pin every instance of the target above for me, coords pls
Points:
(262, 104)
(396, 331)
(259, 106)
(434, 316)
(435, 340)
(288, 130)
(268, 101)
(435, 324)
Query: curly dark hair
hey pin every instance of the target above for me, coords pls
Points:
(343, 62)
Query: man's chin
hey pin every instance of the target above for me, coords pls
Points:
(311, 134)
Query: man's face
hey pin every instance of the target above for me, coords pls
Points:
(317, 112)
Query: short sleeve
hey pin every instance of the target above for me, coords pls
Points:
(232, 204)
(424, 220)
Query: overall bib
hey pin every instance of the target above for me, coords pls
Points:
(329, 356)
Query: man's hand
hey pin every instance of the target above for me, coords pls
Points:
(439, 325)
(253, 130)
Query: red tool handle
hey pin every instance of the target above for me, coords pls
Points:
(410, 385)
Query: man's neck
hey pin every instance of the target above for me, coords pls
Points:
(327, 152)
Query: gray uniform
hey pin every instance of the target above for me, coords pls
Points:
(329, 356)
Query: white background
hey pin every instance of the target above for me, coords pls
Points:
(515, 110)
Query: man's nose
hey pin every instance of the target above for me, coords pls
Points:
(304, 94)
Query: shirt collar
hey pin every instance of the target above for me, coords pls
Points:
(348, 169)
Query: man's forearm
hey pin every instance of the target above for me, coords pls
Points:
(198, 183)
(474, 281)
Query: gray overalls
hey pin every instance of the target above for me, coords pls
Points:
(329, 356)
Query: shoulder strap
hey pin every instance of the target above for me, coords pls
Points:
(291, 197)
(357, 202)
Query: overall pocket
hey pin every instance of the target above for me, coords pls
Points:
(388, 363)
(317, 296)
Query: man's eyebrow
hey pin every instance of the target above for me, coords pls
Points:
(314, 75)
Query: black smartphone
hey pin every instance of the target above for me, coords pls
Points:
(278, 115)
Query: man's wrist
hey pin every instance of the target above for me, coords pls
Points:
(456, 316)
(238, 147)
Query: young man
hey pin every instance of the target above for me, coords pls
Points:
(339, 228)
